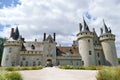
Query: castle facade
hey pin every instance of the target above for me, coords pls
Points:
(89, 49)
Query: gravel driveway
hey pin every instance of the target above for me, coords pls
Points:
(53, 73)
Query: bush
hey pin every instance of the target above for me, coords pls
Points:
(82, 67)
(23, 68)
(13, 76)
(2, 75)
(109, 73)
(9, 69)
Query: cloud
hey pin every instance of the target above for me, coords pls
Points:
(60, 16)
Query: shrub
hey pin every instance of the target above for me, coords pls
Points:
(23, 68)
(109, 73)
(9, 69)
(2, 75)
(13, 76)
(81, 67)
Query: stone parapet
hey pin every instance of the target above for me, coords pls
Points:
(84, 35)
(12, 43)
(107, 37)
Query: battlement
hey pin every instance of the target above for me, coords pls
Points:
(12, 43)
(107, 37)
(85, 35)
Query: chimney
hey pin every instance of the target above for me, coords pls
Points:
(35, 40)
(12, 31)
(54, 35)
(44, 37)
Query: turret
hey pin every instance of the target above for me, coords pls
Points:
(108, 44)
(85, 45)
(11, 51)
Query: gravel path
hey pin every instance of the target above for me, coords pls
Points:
(52, 73)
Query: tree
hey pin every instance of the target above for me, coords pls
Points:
(2, 40)
(119, 60)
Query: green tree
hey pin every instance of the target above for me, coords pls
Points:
(119, 60)
(2, 40)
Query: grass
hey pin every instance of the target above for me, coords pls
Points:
(4, 75)
(82, 67)
(9, 73)
(13, 76)
(109, 73)
(23, 68)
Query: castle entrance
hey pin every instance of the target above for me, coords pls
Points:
(49, 63)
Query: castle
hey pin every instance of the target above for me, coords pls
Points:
(89, 49)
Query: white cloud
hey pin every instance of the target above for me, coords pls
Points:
(60, 16)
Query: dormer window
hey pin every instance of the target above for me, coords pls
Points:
(32, 47)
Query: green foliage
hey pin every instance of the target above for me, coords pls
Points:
(13, 76)
(9, 69)
(23, 68)
(119, 60)
(4, 75)
(82, 67)
(2, 40)
(109, 73)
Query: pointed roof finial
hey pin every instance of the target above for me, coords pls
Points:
(105, 27)
(80, 26)
(86, 28)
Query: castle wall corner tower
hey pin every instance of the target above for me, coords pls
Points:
(85, 44)
(11, 50)
(108, 43)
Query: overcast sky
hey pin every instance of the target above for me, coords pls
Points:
(34, 17)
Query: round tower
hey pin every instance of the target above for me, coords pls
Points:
(12, 49)
(85, 45)
(11, 53)
(108, 44)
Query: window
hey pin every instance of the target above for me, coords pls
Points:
(10, 49)
(32, 46)
(21, 63)
(99, 62)
(77, 63)
(82, 62)
(90, 53)
(39, 63)
(98, 55)
(88, 40)
(13, 63)
(26, 63)
(23, 58)
(34, 64)
(49, 55)
(7, 58)
(71, 62)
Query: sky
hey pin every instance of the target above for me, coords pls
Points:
(34, 17)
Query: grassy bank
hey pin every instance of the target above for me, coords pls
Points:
(82, 67)
(23, 68)
(4, 75)
(109, 73)
(9, 73)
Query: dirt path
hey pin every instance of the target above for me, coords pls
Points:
(52, 73)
